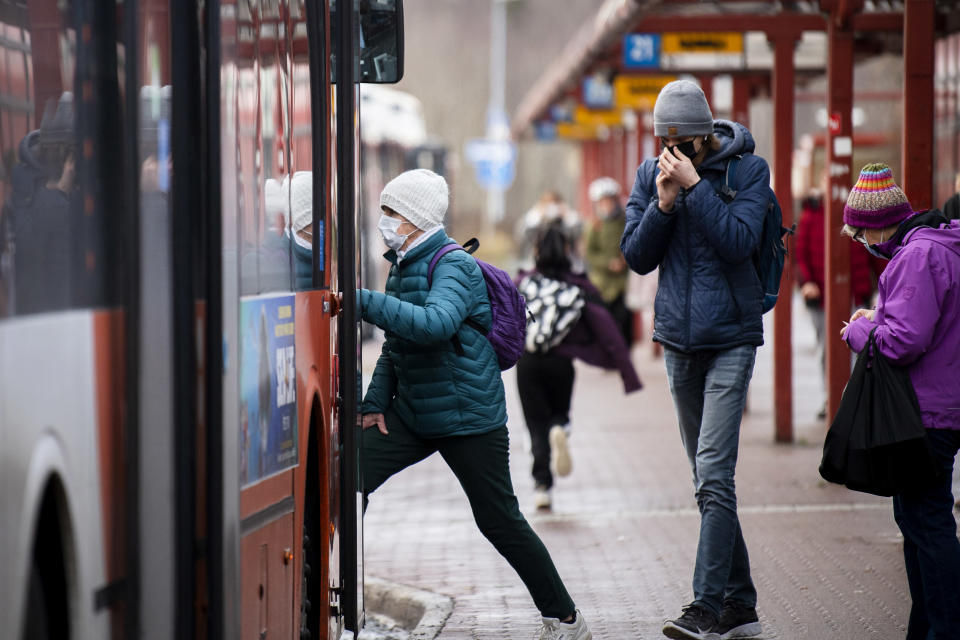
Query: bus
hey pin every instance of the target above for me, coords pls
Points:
(179, 351)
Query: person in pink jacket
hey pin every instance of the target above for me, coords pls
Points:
(916, 325)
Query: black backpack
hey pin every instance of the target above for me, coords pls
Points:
(771, 254)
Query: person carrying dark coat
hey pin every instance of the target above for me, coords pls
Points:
(427, 396)
(545, 378)
(915, 325)
(708, 317)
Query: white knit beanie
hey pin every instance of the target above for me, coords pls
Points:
(420, 195)
(301, 200)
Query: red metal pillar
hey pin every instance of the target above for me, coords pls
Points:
(43, 22)
(706, 83)
(646, 142)
(631, 160)
(839, 156)
(590, 151)
(609, 154)
(917, 149)
(783, 125)
(742, 86)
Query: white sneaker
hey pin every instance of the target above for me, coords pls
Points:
(559, 452)
(541, 498)
(553, 629)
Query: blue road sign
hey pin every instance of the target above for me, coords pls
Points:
(494, 162)
(641, 51)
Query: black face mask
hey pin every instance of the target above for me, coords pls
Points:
(686, 148)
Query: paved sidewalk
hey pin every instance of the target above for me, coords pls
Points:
(827, 562)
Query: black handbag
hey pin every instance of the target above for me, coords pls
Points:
(877, 442)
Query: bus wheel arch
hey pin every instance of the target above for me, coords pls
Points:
(314, 559)
(47, 610)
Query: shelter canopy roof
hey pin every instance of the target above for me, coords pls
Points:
(598, 44)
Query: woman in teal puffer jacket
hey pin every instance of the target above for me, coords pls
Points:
(429, 395)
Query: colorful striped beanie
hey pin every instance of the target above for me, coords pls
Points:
(876, 201)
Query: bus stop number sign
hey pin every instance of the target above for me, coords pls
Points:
(641, 51)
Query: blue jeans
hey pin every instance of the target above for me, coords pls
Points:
(931, 549)
(709, 389)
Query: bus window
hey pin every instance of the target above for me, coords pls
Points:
(266, 239)
(156, 167)
(308, 213)
(58, 228)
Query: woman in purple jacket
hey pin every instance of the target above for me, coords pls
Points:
(545, 375)
(917, 326)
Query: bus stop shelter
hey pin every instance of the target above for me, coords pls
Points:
(601, 90)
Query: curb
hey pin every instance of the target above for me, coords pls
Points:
(422, 612)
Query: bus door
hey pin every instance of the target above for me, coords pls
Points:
(367, 47)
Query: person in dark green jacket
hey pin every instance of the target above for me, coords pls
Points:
(437, 387)
(606, 266)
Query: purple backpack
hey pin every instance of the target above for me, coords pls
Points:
(509, 327)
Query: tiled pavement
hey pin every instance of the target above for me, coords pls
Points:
(623, 532)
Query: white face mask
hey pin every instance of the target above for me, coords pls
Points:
(388, 229)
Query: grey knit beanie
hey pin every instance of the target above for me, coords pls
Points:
(420, 195)
(682, 110)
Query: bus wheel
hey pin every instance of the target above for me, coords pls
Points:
(309, 595)
(35, 624)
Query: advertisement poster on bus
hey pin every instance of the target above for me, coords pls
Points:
(268, 387)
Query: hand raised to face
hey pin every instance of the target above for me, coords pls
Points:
(667, 191)
(678, 168)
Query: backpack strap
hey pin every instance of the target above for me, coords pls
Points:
(442, 251)
(730, 177)
(469, 246)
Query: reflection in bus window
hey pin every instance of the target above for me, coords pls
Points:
(274, 254)
(156, 165)
(60, 221)
(378, 41)
(301, 223)
(42, 222)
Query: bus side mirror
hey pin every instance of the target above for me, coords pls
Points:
(381, 41)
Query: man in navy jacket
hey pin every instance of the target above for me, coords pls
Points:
(708, 317)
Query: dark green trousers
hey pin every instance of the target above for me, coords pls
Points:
(481, 464)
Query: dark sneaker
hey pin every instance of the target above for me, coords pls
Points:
(737, 621)
(696, 623)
